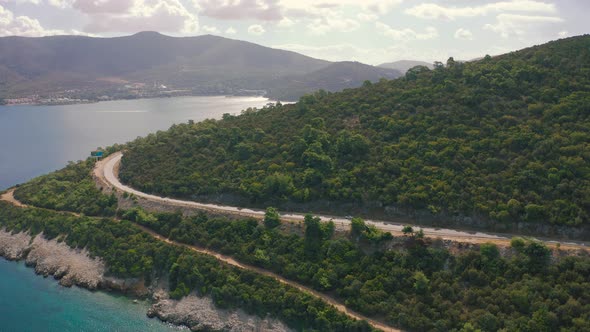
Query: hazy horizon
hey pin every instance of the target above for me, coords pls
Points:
(372, 31)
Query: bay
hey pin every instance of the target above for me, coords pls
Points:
(35, 140)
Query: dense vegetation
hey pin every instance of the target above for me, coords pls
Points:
(418, 286)
(129, 252)
(502, 139)
(412, 283)
(69, 189)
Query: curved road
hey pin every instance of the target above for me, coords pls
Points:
(107, 169)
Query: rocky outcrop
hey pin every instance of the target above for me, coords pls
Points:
(70, 266)
(14, 246)
(50, 257)
(200, 314)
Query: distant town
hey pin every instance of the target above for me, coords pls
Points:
(126, 91)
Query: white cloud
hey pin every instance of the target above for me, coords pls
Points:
(379, 7)
(230, 31)
(159, 15)
(435, 11)
(367, 17)
(464, 34)
(35, 2)
(517, 25)
(406, 34)
(256, 30)
(563, 34)
(265, 10)
(332, 22)
(209, 29)
(11, 25)
(286, 23)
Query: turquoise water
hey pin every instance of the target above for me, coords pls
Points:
(29, 302)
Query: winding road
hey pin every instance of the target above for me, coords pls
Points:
(107, 170)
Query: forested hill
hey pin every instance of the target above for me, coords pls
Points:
(203, 64)
(503, 139)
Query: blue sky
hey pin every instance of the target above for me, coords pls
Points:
(370, 31)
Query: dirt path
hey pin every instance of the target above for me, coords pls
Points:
(9, 197)
(233, 262)
(106, 171)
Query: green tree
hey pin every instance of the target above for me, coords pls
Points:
(272, 218)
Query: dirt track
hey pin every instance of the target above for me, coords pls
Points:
(9, 197)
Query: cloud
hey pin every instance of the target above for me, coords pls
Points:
(154, 15)
(405, 34)
(286, 23)
(435, 11)
(35, 2)
(256, 30)
(103, 6)
(332, 22)
(265, 10)
(230, 31)
(380, 7)
(464, 34)
(508, 25)
(563, 34)
(367, 17)
(11, 25)
(210, 30)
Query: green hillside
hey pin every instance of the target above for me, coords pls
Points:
(500, 140)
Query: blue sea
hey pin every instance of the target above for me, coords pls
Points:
(29, 302)
(35, 140)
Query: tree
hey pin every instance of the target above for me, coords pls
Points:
(408, 230)
(357, 227)
(272, 218)
(313, 236)
(421, 282)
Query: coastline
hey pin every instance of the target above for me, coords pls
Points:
(82, 102)
(74, 267)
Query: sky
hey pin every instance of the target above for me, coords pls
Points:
(369, 31)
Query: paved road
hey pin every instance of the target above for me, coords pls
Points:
(106, 169)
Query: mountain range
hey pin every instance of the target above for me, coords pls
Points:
(200, 65)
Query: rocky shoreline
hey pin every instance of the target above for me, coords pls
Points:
(76, 267)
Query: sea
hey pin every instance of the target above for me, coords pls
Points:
(35, 140)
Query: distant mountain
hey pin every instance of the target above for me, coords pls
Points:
(334, 77)
(404, 65)
(202, 64)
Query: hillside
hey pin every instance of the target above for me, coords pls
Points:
(404, 65)
(333, 78)
(498, 143)
(202, 65)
